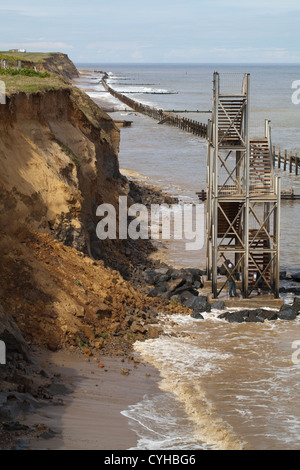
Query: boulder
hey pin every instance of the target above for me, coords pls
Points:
(231, 317)
(173, 282)
(218, 305)
(258, 315)
(287, 312)
(197, 315)
(149, 275)
(198, 304)
(296, 304)
(158, 290)
(296, 276)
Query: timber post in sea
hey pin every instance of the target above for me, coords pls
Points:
(243, 194)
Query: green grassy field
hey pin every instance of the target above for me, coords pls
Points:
(36, 57)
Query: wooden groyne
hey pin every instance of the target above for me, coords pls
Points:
(188, 125)
(285, 161)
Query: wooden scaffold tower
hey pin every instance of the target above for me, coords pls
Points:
(243, 194)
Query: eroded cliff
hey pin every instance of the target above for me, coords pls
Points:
(59, 161)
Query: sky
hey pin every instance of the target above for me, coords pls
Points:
(155, 31)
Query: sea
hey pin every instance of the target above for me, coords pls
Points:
(223, 386)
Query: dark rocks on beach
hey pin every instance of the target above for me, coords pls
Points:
(256, 316)
(296, 276)
(218, 305)
(296, 304)
(197, 315)
(290, 289)
(288, 312)
(24, 385)
(198, 304)
(178, 285)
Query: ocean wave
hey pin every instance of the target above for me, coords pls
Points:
(182, 367)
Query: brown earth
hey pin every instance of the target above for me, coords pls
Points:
(61, 284)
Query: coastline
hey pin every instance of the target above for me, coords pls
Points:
(102, 387)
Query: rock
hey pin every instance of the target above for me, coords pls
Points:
(198, 304)
(186, 287)
(233, 317)
(296, 304)
(194, 273)
(137, 328)
(149, 275)
(287, 312)
(14, 403)
(185, 295)
(15, 426)
(218, 305)
(197, 315)
(115, 328)
(58, 388)
(296, 276)
(152, 332)
(176, 298)
(267, 314)
(174, 273)
(253, 317)
(256, 316)
(175, 284)
(99, 343)
(103, 311)
(290, 289)
(158, 290)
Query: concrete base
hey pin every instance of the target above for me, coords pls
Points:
(257, 301)
(254, 301)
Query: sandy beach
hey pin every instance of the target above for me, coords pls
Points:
(90, 417)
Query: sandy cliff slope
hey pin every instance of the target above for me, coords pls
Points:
(59, 161)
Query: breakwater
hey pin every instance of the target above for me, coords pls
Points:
(188, 125)
(286, 161)
(282, 159)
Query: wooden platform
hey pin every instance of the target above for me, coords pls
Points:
(264, 300)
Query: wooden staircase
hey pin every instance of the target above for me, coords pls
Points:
(260, 167)
(262, 259)
(230, 121)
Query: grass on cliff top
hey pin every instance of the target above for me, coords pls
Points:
(32, 82)
(36, 57)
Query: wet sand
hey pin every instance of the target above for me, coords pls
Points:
(90, 418)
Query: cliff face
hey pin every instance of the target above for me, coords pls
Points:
(58, 281)
(57, 165)
(60, 64)
(59, 161)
